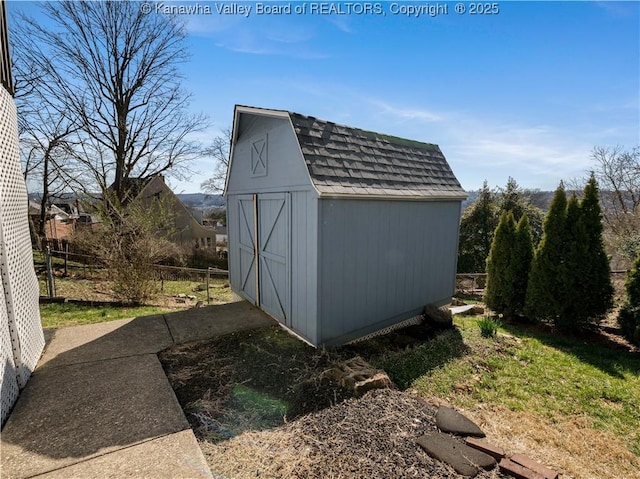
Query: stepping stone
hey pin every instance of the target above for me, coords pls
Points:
(450, 420)
(463, 459)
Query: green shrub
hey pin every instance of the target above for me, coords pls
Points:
(599, 290)
(570, 280)
(488, 327)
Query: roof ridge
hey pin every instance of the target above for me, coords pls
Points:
(390, 138)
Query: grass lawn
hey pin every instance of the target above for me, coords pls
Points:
(576, 401)
(69, 314)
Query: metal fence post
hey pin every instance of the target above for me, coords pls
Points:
(51, 289)
(208, 293)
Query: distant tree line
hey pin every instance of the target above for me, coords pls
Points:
(617, 172)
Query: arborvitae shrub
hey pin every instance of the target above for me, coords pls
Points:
(543, 299)
(629, 317)
(521, 258)
(498, 292)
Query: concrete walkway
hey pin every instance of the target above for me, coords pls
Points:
(99, 405)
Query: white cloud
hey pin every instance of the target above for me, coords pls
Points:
(264, 35)
(404, 113)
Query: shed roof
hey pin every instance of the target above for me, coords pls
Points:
(343, 160)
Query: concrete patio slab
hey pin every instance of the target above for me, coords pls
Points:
(211, 321)
(169, 457)
(72, 413)
(109, 340)
(99, 403)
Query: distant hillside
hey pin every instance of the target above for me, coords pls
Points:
(201, 201)
(198, 201)
(541, 199)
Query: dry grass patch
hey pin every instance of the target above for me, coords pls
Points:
(569, 445)
(571, 403)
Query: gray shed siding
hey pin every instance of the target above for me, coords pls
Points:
(304, 261)
(381, 262)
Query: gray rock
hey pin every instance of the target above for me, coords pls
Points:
(463, 459)
(450, 420)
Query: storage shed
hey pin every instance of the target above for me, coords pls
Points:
(334, 231)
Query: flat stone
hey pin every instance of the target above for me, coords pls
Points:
(462, 310)
(463, 459)
(518, 471)
(450, 420)
(534, 466)
(377, 381)
(485, 447)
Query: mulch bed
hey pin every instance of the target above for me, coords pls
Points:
(371, 437)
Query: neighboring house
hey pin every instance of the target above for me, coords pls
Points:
(188, 230)
(21, 334)
(221, 237)
(61, 220)
(338, 232)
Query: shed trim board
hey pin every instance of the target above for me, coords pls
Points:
(344, 232)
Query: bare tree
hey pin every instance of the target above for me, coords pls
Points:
(618, 174)
(114, 70)
(46, 138)
(219, 150)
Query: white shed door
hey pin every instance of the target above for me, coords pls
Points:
(274, 266)
(264, 258)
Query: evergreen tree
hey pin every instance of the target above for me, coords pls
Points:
(499, 289)
(598, 288)
(629, 318)
(512, 198)
(572, 294)
(518, 275)
(481, 218)
(476, 232)
(543, 299)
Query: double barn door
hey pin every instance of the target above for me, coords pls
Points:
(264, 252)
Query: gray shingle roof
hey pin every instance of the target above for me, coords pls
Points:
(344, 160)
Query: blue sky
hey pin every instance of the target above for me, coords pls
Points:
(527, 92)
